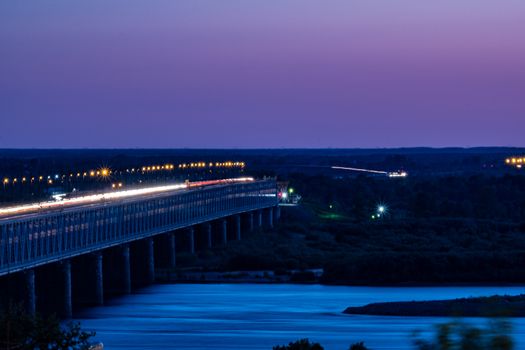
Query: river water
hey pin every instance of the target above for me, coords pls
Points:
(259, 316)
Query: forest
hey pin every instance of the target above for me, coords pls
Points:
(433, 230)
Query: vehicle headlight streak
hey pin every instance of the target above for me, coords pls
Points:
(108, 196)
(387, 173)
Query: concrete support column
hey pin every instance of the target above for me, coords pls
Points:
(126, 270)
(191, 240)
(206, 229)
(99, 279)
(223, 227)
(67, 300)
(259, 218)
(172, 250)
(269, 213)
(237, 226)
(277, 213)
(249, 218)
(30, 297)
(150, 260)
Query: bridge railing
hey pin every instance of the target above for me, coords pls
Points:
(28, 242)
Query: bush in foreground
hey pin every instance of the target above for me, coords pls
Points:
(358, 346)
(449, 336)
(459, 335)
(21, 331)
(302, 344)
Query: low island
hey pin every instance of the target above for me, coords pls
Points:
(494, 306)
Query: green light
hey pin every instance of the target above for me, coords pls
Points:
(331, 206)
(373, 217)
(290, 190)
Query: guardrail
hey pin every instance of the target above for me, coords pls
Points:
(47, 237)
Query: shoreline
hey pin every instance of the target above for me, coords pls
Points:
(309, 276)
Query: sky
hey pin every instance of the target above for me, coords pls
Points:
(261, 73)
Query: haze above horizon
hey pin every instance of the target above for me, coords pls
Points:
(262, 74)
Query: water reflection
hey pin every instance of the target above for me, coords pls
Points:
(258, 316)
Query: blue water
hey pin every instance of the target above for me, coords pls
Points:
(259, 316)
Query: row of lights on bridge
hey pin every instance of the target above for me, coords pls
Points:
(106, 172)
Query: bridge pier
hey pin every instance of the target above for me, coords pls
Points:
(172, 253)
(99, 278)
(126, 269)
(116, 271)
(277, 213)
(30, 292)
(18, 289)
(87, 279)
(259, 218)
(191, 239)
(223, 231)
(237, 226)
(142, 258)
(206, 230)
(67, 306)
(249, 221)
(269, 217)
(150, 260)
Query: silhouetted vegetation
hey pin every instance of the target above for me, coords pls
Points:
(436, 230)
(460, 335)
(358, 346)
(21, 331)
(302, 344)
(456, 335)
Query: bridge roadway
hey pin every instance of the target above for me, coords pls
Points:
(87, 251)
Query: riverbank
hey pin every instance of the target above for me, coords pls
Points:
(258, 276)
(493, 306)
(310, 276)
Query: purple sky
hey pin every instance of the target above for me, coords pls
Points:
(262, 73)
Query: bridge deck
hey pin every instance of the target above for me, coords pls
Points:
(34, 239)
(97, 199)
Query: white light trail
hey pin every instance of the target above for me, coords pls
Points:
(108, 196)
(362, 170)
(389, 174)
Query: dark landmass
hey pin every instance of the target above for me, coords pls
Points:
(452, 230)
(418, 161)
(458, 218)
(507, 306)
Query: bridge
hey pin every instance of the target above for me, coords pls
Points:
(52, 258)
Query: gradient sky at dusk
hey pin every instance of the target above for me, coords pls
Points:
(262, 73)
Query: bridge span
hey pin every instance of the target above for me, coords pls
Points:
(55, 258)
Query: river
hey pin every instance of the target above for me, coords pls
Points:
(259, 316)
